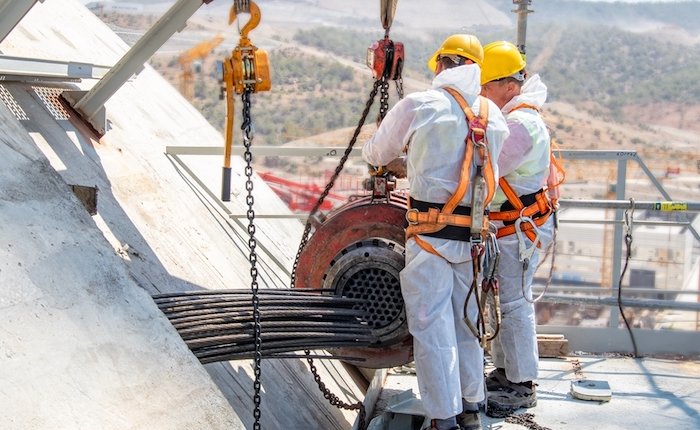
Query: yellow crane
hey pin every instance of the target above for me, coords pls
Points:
(187, 62)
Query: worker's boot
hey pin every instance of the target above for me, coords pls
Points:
(434, 426)
(469, 420)
(513, 396)
(496, 379)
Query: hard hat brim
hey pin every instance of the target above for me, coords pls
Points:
(432, 62)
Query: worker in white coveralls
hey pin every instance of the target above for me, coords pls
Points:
(522, 211)
(432, 129)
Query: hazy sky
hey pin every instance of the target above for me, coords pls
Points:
(635, 1)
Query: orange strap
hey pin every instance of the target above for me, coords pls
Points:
(435, 220)
(541, 206)
(434, 216)
(525, 228)
(477, 127)
(524, 106)
(426, 246)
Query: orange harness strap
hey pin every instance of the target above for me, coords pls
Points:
(525, 106)
(435, 220)
(541, 206)
(477, 126)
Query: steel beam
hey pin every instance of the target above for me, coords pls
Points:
(34, 69)
(90, 105)
(11, 13)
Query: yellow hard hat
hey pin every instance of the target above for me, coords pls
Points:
(501, 60)
(464, 45)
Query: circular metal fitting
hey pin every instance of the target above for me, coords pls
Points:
(369, 270)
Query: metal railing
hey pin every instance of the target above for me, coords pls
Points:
(583, 296)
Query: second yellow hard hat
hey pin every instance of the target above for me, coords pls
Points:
(501, 60)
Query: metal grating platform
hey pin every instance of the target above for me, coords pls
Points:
(50, 97)
(12, 104)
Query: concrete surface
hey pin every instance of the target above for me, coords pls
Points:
(647, 394)
(82, 345)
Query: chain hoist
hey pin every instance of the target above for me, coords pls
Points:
(246, 71)
(385, 58)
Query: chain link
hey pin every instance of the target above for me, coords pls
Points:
(329, 186)
(383, 99)
(248, 132)
(525, 420)
(327, 394)
(399, 87)
(332, 398)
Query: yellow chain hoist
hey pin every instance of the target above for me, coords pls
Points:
(246, 70)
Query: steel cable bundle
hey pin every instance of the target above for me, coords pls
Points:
(218, 325)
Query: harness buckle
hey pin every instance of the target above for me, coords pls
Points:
(412, 210)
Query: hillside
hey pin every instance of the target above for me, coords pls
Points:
(638, 16)
(609, 87)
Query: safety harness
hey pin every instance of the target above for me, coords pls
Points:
(435, 219)
(441, 220)
(525, 213)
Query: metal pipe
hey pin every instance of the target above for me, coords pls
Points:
(665, 206)
(522, 12)
(585, 289)
(612, 301)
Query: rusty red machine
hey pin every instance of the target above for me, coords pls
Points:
(357, 251)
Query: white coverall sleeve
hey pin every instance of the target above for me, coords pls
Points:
(392, 136)
(515, 148)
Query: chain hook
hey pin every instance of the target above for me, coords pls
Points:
(387, 10)
(524, 252)
(245, 6)
(629, 221)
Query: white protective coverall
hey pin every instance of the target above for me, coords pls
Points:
(524, 162)
(431, 127)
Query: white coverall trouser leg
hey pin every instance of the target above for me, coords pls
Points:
(448, 357)
(515, 347)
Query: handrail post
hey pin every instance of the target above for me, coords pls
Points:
(617, 237)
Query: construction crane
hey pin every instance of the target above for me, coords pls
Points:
(187, 63)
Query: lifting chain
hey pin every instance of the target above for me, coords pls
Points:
(526, 420)
(332, 398)
(383, 99)
(381, 85)
(399, 87)
(327, 394)
(248, 132)
(331, 182)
